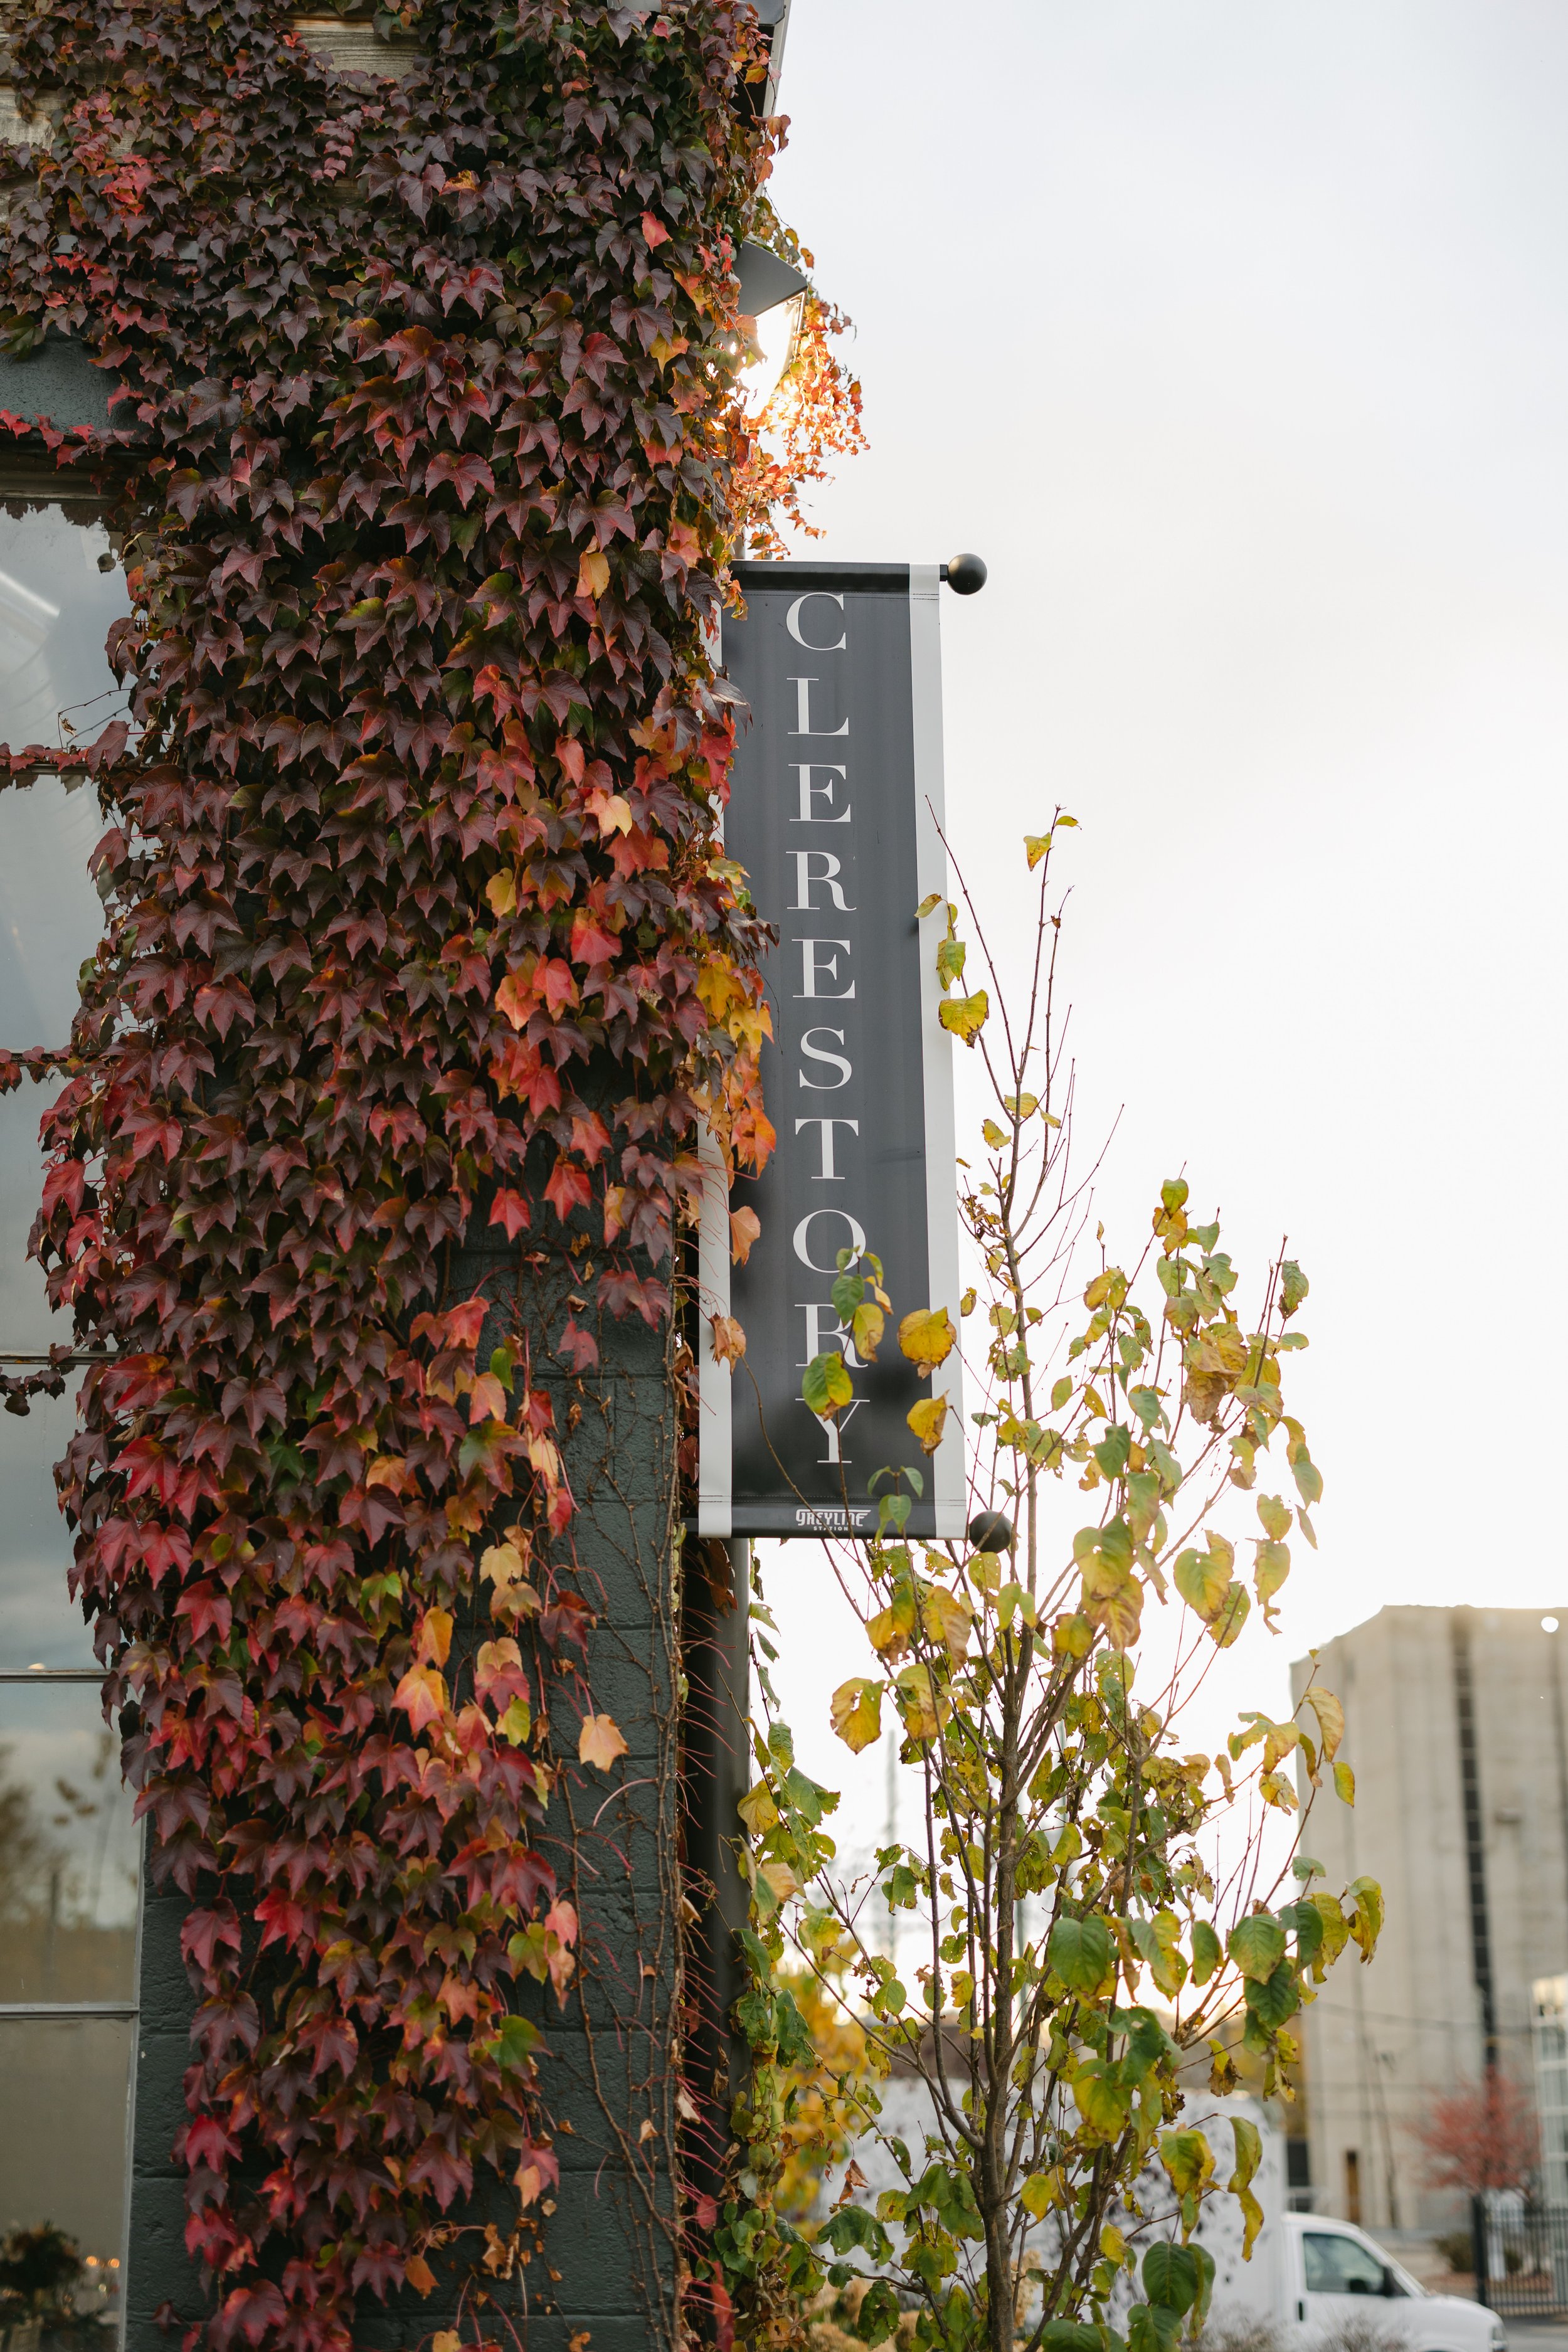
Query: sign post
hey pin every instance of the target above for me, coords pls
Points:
(836, 812)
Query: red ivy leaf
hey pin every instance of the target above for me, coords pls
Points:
(466, 473)
(578, 1347)
(510, 1210)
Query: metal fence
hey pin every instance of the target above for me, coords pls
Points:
(1520, 2256)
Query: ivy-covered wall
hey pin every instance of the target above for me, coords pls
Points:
(422, 965)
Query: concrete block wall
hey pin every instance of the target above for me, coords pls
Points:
(608, 2240)
(1381, 2039)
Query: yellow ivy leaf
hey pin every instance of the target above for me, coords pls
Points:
(419, 2274)
(855, 1713)
(746, 1229)
(927, 1337)
(729, 1340)
(599, 1741)
(502, 1563)
(593, 573)
(612, 810)
(501, 891)
(422, 1694)
(965, 1016)
(435, 1638)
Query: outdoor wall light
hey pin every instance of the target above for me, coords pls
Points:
(773, 298)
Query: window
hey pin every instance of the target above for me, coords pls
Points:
(1338, 2265)
(69, 1854)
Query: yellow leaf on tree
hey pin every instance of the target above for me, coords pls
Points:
(1331, 1718)
(1035, 844)
(965, 1016)
(599, 1741)
(927, 1337)
(889, 1631)
(855, 1712)
(1232, 1616)
(866, 1328)
(758, 1811)
(922, 1706)
(927, 1420)
(1114, 1600)
(947, 1618)
(1203, 1581)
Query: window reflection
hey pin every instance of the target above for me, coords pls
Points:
(62, 2178)
(40, 1624)
(50, 917)
(56, 610)
(69, 1850)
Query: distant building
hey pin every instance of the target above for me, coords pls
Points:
(1457, 1731)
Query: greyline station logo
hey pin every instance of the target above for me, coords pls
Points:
(835, 812)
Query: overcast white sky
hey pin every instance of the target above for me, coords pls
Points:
(1233, 335)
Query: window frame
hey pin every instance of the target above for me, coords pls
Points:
(33, 480)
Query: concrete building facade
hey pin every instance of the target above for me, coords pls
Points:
(1456, 1728)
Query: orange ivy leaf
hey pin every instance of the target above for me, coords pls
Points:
(600, 1741)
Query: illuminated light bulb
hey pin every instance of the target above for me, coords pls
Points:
(775, 338)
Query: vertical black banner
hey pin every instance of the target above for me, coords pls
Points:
(835, 810)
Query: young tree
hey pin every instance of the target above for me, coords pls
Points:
(1480, 2136)
(1075, 1948)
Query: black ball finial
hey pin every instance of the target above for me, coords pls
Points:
(990, 1531)
(965, 575)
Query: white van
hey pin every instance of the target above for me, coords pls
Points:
(1315, 2282)
(1312, 2284)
